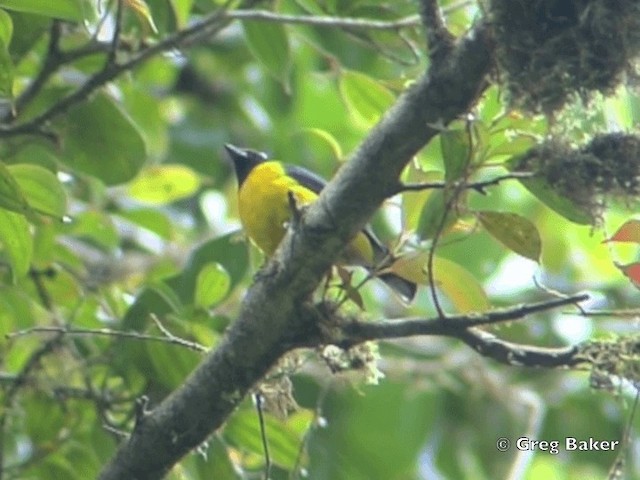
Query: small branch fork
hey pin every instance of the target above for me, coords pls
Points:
(465, 328)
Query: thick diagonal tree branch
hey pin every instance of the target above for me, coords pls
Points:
(271, 318)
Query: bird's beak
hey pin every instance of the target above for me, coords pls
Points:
(235, 152)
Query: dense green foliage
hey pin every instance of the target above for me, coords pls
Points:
(121, 258)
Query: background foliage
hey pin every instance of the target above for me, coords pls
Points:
(122, 260)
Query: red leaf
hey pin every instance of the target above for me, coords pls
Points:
(632, 272)
(628, 232)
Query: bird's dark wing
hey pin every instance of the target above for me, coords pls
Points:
(316, 183)
(306, 178)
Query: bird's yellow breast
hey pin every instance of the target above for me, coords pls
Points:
(263, 203)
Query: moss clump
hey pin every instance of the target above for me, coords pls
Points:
(550, 49)
(607, 167)
(613, 361)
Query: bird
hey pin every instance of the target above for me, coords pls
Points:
(265, 188)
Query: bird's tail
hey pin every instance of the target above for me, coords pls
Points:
(403, 287)
(406, 289)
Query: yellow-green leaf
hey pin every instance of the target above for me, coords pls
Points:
(412, 266)
(458, 284)
(212, 285)
(366, 98)
(162, 184)
(141, 9)
(6, 27)
(514, 231)
(320, 141)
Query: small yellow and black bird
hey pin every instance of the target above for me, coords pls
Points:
(264, 207)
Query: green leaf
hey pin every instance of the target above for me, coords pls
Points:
(11, 197)
(41, 189)
(151, 219)
(436, 216)
(514, 146)
(182, 10)
(162, 184)
(216, 462)
(514, 231)
(563, 206)
(74, 10)
(456, 153)
(413, 202)
(243, 429)
(544, 192)
(17, 309)
(96, 226)
(231, 254)
(171, 363)
(6, 71)
(458, 284)
(320, 141)
(16, 241)
(366, 98)
(212, 285)
(158, 299)
(102, 141)
(269, 44)
(6, 27)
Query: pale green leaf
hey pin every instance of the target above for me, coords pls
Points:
(212, 285)
(366, 98)
(462, 289)
(162, 184)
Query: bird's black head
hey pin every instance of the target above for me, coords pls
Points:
(244, 160)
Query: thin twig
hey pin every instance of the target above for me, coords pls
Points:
(263, 435)
(439, 40)
(209, 24)
(358, 332)
(479, 186)
(49, 66)
(325, 21)
(109, 333)
(115, 40)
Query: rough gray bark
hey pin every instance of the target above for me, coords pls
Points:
(270, 322)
